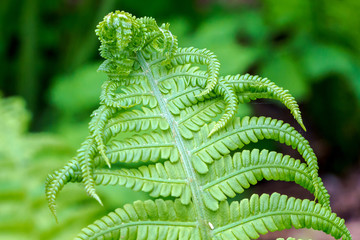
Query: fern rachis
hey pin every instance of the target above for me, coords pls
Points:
(157, 109)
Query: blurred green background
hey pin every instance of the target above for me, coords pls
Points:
(49, 86)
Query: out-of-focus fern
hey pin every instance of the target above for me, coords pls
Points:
(24, 160)
(167, 127)
(72, 110)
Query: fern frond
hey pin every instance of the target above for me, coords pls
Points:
(231, 175)
(240, 133)
(57, 180)
(246, 86)
(244, 220)
(85, 156)
(96, 127)
(161, 179)
(256, 85)
(205, 57)
(225, 89)
(157, 219)
(250, 218)
(176, 122)
(199, 56)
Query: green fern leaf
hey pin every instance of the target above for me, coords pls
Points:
(235, 174)
(247, 219)
(157, 219)
(169, 129)
(131, 96)
(148, 147)
(263, 87)
(247, 130)
(96, 127)
(136, 120)
(56, 181)
(159, 180)
(250, 218)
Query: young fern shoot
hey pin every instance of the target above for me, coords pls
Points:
(157, 109)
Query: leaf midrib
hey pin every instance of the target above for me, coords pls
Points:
(185, 155)
(139, 146)
(149, 179)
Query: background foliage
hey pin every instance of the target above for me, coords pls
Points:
(49, 57)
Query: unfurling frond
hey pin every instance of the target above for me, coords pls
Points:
(168, 125)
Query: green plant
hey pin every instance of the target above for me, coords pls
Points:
(24, 160)
(168, 126)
